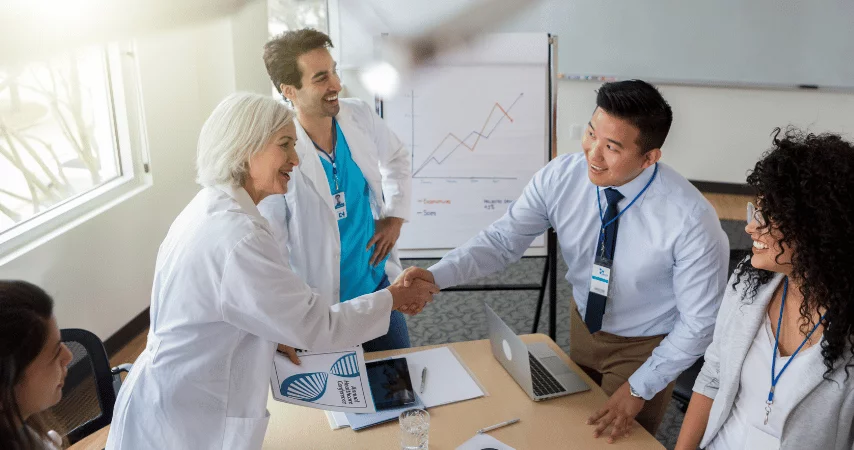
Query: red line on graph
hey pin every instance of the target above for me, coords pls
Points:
(480, 133)
(461, 142)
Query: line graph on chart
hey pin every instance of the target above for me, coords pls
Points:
(480, 140)
(477, 134)
(451, 143)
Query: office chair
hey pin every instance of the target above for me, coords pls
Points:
(90, 387)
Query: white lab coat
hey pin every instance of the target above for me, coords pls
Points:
(305, 221)
(223, 296)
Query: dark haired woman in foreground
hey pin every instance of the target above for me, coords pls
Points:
(778, 372)
(33, 363)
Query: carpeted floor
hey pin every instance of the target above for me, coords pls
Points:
(458, 316)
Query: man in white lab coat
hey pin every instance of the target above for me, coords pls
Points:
(350, 196)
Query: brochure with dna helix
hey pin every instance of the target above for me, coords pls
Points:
(333, 381)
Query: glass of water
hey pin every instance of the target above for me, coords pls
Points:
(414, 429)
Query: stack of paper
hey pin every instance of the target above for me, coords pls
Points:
(359, 421)
(448, 381)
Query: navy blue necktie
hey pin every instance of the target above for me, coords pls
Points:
(596, 302)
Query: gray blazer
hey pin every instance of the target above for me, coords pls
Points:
(823, 417)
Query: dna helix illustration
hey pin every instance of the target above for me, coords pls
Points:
(309, 387)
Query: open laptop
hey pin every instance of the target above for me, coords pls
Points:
(537, 369)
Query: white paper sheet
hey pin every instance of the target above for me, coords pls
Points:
(448, 381)
(337, 419)
(334, 381)
(484, 442)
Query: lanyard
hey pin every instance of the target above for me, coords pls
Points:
(601, 242)
(775, 379)
(331, 156)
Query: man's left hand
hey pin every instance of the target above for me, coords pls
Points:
(385, 236)
(619, 412)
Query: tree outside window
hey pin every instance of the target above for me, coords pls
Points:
(288, 15)
(57, 133)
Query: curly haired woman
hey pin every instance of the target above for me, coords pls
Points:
(777, 372)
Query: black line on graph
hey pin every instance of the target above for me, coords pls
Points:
(462, 141)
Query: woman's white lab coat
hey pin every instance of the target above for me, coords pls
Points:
(305, 220)
(223, 296)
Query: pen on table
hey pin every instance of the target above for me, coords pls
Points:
(497, 425)
(423, 380)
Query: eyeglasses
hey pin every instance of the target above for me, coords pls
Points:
(753, 213)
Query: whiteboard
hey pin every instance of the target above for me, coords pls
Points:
(775, 43)
(477, 126)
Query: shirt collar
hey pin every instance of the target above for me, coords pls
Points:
(239, 194)
(631, 189)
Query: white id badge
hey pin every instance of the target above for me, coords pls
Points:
(760, 440)
(600, 278)
(340, 202)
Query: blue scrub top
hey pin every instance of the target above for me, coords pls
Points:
(358, 277)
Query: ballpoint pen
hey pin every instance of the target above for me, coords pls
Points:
(498, 425)
(423, 380)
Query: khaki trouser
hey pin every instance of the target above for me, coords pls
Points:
(610, 359)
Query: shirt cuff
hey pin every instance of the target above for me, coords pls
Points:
(443, 274)
(647, 382)
(706, 384)
(396, 211)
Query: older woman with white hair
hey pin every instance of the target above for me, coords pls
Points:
(224, 296)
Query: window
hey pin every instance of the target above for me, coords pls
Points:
(64, 138)
(287, 15)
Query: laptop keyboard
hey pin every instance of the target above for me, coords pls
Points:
(544, 382)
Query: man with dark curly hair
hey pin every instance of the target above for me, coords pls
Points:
(777, 374)
(646, 254)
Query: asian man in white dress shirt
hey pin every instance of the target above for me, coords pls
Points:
(646, 254)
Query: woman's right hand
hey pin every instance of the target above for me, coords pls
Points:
(412, 299)
(290, 352)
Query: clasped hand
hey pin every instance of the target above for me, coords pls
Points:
(412, 290)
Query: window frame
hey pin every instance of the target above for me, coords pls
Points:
(129, 137)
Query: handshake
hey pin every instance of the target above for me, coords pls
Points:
(412, 290)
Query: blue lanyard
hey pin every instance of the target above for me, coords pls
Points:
(775, 379)
(602, 214)
(599, 200)
(331, 155)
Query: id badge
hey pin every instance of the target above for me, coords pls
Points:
(340, 202)
(600, 278)
(760, 440)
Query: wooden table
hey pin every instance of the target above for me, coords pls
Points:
(552, 424)
(95, 441)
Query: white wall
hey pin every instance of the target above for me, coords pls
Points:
(718, 134)
(100, 272)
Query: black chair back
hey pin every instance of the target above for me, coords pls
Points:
(89, 394)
